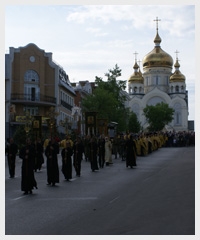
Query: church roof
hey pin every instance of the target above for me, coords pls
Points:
(177, 76)
(157, 57)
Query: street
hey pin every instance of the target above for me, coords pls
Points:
(157, 197)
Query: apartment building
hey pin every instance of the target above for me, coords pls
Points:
(36, 85)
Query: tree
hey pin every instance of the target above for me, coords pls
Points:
(134, 125)
(158, 116)
(107, 99)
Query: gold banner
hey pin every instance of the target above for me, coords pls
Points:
(23, 119)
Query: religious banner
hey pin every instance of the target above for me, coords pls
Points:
(102, 126)
(37, 126)
(90, 123)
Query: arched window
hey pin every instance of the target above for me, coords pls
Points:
(177, 114)
(31, 86)
(135, 89)
(172, 89)
(177, 88)
(31, 76)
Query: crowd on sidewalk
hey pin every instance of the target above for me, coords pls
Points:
(99, 151)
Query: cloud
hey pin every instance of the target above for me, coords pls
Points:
(96, 31)
(174, 24)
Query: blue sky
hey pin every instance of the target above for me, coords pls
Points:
(87, 40)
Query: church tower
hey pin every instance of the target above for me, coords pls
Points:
(158, 84)
(157, 67)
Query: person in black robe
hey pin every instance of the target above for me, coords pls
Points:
(66, 154)
(11, 151)
(27, 154)
(51, 152)
(78, 150)
(39, 159)
(130, 152)
(101, 151)
(93, 154)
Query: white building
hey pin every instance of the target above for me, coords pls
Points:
(158, 83)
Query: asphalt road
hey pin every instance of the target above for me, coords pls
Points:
(155, 198)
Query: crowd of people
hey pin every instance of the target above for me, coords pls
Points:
(99, 151)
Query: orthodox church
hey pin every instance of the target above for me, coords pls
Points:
(159, 83)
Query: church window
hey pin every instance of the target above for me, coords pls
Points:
(177, 118)
(135, 89)
(177, 88)
(167, 80)
(172, 89)
(140, 89)
(147, 81)
(177, 114)
(157, 80)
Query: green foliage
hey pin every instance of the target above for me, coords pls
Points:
(107, 99)
(158, 116)
(20, 136)
(134, 125)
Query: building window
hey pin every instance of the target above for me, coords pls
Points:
(31, 87)
(177, 114)
(177, 88)
(33, 111)
(135, 89)
(31, 76)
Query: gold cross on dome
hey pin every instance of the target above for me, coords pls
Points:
(135, 53)
(157, 20)
(176, 54)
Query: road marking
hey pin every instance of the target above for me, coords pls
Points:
(114, 199)
(70, 198)
(18, 198)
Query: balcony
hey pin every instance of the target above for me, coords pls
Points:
(39, 99)
(66, 105)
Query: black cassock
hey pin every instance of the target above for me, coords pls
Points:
(11, 151)
(78, 150)
(27, 154)
(93, 147)
(130, 153)
(66, 154)
(51, 152)
(39, 159)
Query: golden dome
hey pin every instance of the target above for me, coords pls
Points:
(136, 77)
(157, 57)
(177, 76)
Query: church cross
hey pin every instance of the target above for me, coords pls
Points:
(135, 53)
(157, 22)
(176, 54)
